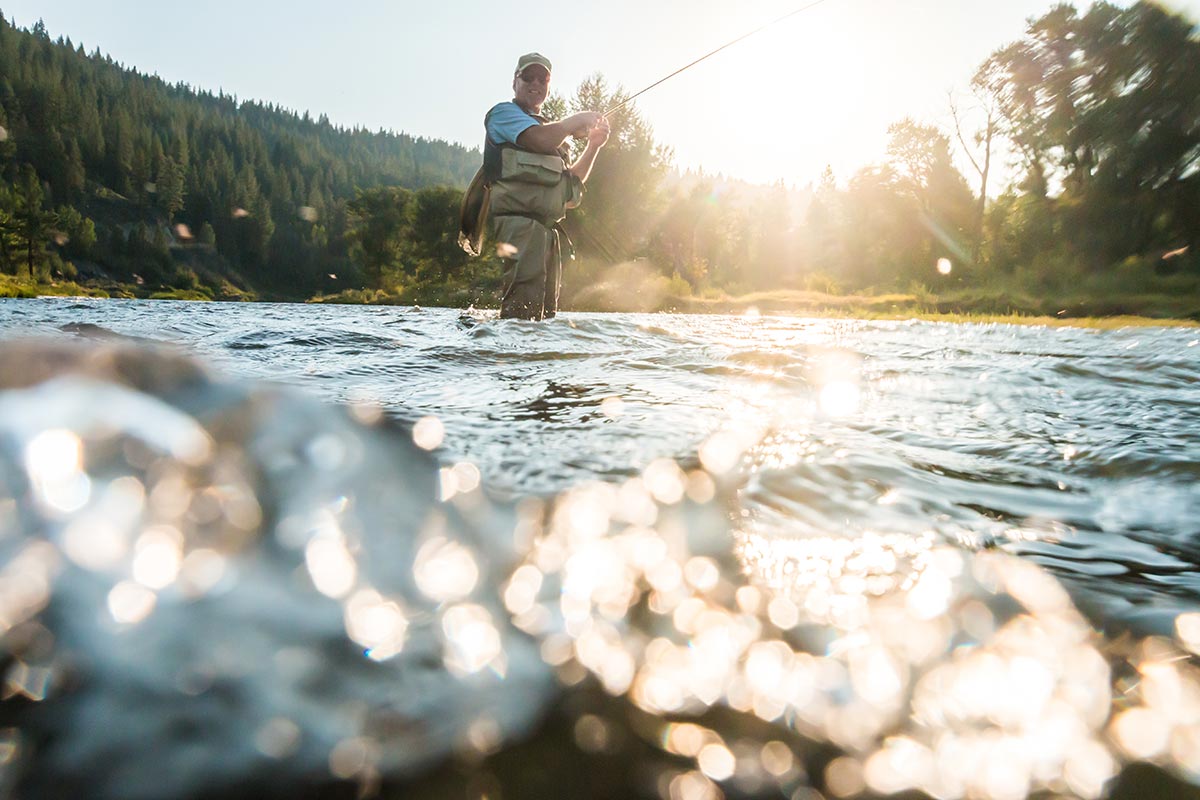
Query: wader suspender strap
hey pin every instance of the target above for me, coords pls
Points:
(491, 166)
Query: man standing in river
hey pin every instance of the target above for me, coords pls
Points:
(532, 186)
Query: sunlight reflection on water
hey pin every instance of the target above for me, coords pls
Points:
(685, 588)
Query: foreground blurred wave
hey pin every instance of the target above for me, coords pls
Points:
(753, 533)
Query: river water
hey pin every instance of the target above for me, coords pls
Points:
(1076, 450)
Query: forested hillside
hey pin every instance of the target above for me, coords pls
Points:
(150, 183)
(1080, 144)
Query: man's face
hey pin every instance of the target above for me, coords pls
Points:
(530, 87)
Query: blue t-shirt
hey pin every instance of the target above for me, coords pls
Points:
(506, 121)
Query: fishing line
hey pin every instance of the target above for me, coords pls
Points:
(713, 53)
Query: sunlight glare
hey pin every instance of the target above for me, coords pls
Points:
(375, 623)
(1141, 732)
(332, 569)
(944, 266)
(130, 602)
(665, 480)
(844, 777)
(429, 433)
(54, 460)
(1187, 627)
(25, 583)
(466, 477)
(777, 758)
(1088, 768)
(201, 571)
(720, 452)
(612, 407)
(158, 557)
(840, 398)
(95, 544)
(471, 638)
(693, 786)
(716, 761)
(445, 570)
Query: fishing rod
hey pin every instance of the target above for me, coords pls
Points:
(713, 53)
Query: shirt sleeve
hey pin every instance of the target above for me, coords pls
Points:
(506, 121)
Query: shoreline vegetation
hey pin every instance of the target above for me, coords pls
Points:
(993, 309)
(118, 184)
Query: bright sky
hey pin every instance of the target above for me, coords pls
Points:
(819, 88)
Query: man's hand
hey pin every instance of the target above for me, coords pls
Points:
(598, 135)
(580, 124)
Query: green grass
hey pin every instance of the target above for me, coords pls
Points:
(989, 308)
(1173, 301)
(181, 294)
(11, 286)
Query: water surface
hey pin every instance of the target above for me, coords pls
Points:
(1079, 448)
(848, 455)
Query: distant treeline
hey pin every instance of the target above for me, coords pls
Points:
(1100, 112)
(101, 165)
(107, 170)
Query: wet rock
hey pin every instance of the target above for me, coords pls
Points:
(210, 585)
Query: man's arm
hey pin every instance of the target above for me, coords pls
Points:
(597, 136)
(546, 139)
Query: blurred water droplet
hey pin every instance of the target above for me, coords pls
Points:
(612, 407)
(471, 638)
(279, 737)
(428, 433)
(158, 557)
(592, 734)
(445, 570)
(351, 757)
(376, 623)
(693, 786)
(665, 481)
(720, 452)
(777, 758)
(130, 603)
(330, 565)
(844, 777)
(716, 762)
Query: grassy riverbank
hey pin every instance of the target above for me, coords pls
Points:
(1074, 300)
(11, 286)
(649, 294)
(1089, 312)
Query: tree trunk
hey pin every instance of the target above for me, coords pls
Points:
(983, 185)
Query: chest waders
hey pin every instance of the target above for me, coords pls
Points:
(526, 195)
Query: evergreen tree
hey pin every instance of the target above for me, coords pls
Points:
(170, 186)
(379, 226)
(33, 222)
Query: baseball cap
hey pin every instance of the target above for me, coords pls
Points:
(532, 58)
